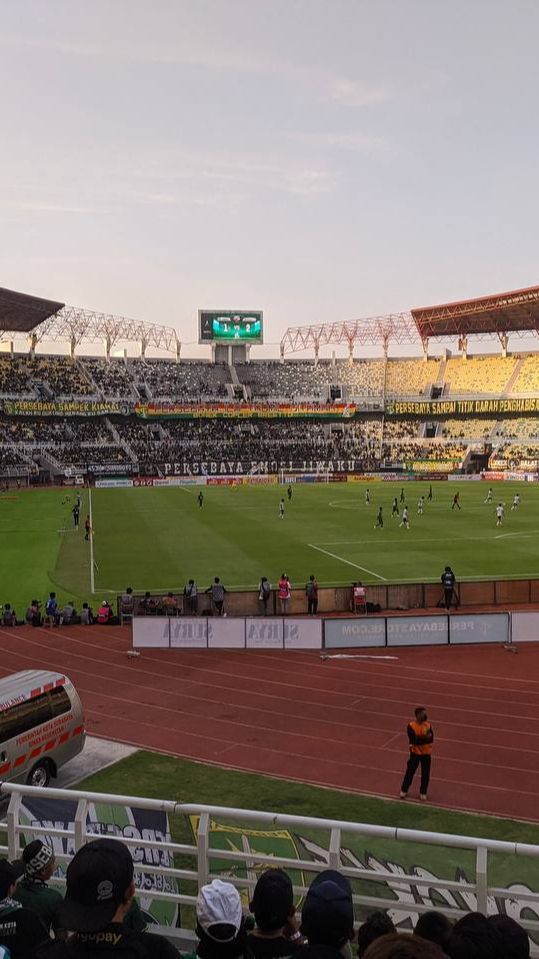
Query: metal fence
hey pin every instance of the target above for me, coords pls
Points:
(196, 862)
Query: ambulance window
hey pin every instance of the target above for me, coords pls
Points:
(60, 701)
(24, 716)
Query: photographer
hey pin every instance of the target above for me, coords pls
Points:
(448, 583)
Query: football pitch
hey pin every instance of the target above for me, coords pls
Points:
(158, 538)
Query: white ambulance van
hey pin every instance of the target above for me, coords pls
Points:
(41, 726)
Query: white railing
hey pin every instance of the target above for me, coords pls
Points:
(330, 838)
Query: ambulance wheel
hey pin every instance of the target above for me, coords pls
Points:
(39, 775)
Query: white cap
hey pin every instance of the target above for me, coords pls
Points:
(219, 903)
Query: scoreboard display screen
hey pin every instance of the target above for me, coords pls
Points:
(229, 326)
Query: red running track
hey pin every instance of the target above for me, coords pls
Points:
(338, 723)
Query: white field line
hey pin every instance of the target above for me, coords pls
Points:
(348, 562)
(92, 573)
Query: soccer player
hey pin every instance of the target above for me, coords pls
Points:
(516, 501)
(404, 520)
(395, 509)
(456, 501)
(420, 739)
(289, 493)
(429, 497)
(500, 512)
(78, 501)
(200, 499)
(420, 503)
(379, 519)
(367, 496)
(76, 515)
(281, 509)
(488, 498)
(87, 528)
(402, 494)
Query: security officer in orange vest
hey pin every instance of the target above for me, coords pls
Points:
(420, 738)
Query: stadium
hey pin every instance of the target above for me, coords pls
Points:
(152, 497)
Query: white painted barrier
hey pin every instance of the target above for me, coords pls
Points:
(525, 627)
(359, 632)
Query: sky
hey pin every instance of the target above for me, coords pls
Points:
(320, 160)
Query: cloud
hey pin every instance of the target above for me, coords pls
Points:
(352, 141)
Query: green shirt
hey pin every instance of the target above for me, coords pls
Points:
(45, 901)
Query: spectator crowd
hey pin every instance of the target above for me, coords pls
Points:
(99, 916)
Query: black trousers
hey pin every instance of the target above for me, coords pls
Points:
(411, 769)
(312, 606)
(448, 596)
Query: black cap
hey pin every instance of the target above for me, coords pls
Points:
(9, 873)
(273, 900)
(327, 917)
(36, 857)
(96, 882)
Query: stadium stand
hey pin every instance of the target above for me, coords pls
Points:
(527, 379)
(113, 379)
(410, 376)
(466, 429)
(478, 374)
(189, 379)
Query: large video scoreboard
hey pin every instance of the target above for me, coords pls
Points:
(230, 326)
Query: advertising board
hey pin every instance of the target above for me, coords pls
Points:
(352, 633)
(479, 628)
(417, 631)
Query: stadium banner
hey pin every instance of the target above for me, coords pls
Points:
(461, 407)
(464, 477)
(121, 822)
(245, 470)
(352, 633)
(112, 483)
(188, 632)
(417, 631)
(479, 628)
(66, 408)
(264, 632)
(303, 633)
(226, 633)
(246, 411)
(525, 627)
(151, 631)
(433, 466)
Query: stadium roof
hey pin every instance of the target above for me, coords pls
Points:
(21, 313)
(500, 313)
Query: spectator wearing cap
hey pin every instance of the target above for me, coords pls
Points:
(220, 924)
(32, 890)
(21, 930)
(99, 893)
(327, 917)
(272, 905)
(376, 925)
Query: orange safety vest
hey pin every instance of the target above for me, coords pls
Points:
(421, 729)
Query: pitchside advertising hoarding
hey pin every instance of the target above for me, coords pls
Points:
(227, 632)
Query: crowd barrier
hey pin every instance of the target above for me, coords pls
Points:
(358, 632)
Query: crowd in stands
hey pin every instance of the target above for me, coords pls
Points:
(113, 380)
(466, 429)
(99, 915)
(188, 380)
(478, 374)
(264, 380)
(404, 451)
(76, 442)
(515, 456)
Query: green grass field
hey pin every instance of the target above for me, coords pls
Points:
(156, 538)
